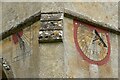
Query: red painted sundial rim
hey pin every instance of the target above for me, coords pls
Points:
(103, 61)
(15, 38)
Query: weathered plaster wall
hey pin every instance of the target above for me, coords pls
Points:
(58, 59)
(100, 11)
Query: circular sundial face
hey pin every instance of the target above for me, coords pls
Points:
(92, 43)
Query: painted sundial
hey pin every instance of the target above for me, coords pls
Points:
(22, 41)
(92, 43)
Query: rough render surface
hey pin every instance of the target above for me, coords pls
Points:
(59, 59)
(108, 11)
